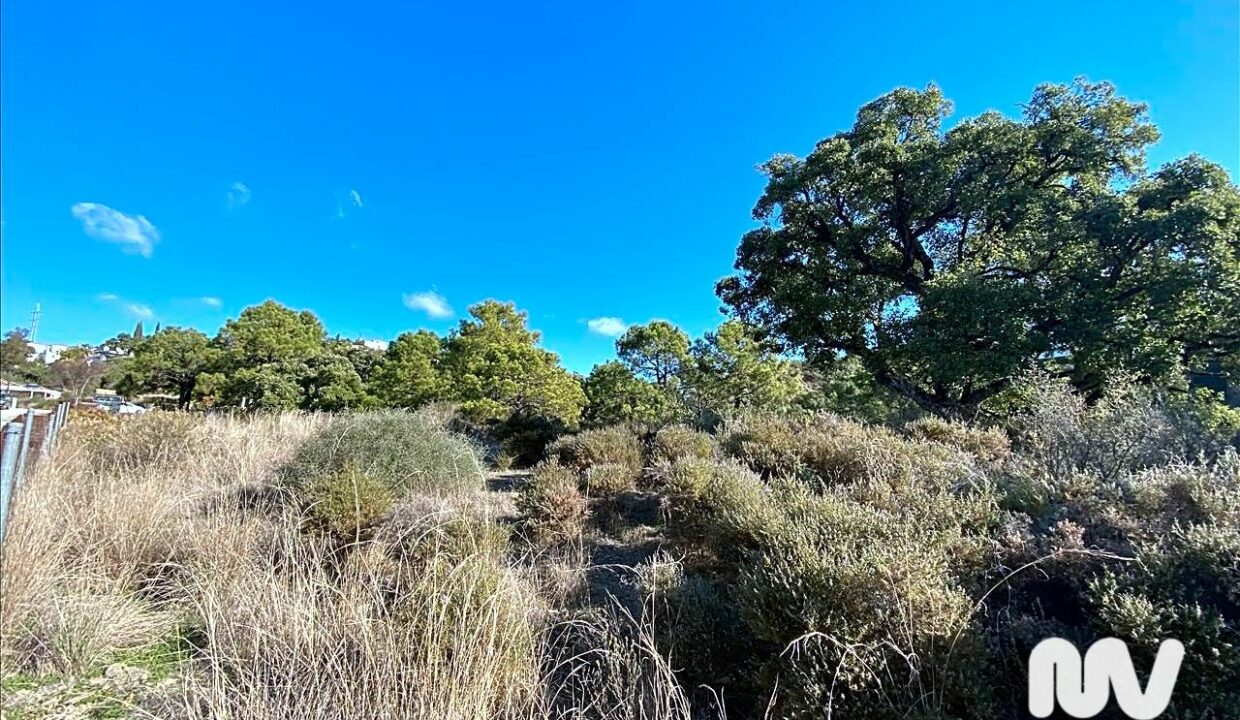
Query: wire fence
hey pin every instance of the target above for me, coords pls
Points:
(26, 438)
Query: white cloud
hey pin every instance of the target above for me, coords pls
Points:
(211, 301)
(238, 194)
(355, 197)
(139, 310)
(429, 302)
(134, 233)
(608, 326)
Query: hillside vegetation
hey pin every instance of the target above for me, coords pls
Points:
(785, 565)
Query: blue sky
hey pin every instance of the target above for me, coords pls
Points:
(585, 160)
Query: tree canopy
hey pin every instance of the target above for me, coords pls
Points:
(171, 360)
(949, 260)
(656, 351)
(495, 367)
(733, 369)
(410, 372)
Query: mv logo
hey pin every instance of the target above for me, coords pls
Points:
(1083, 689)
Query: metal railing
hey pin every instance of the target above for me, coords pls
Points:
(15, 452)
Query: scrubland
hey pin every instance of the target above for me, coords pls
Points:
(797, 565)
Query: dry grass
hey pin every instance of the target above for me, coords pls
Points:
(173, 527)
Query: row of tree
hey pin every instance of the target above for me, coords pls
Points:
(492, 365)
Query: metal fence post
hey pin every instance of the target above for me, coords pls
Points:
(8, 469)
(58, 419)
(23, 452)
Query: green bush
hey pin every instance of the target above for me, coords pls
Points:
(616, 445)
(674, 442)
(551, 504)
(347, 503)
(406, 452)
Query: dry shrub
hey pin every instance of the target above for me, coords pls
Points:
(988, 445)
(551, 503)
(604, 664)
(675, 442)
(824, 450)
(616, 445)
(608, 479)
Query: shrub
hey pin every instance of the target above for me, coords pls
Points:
(988, 445)
(553, 507)
(608, 479)
(616, 445)
(404, 451)
(1130, 428)
(347, 502)
(118, 444)
(674, 442)
(825, 450)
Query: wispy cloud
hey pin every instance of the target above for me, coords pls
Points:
(429, 302)
(211, 301)
(134, 233)
(607, 326)
(138, 310)
(238, 194)
(355, 197)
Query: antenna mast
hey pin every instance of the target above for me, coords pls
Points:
(34, 322)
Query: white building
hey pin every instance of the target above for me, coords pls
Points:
(47, 353)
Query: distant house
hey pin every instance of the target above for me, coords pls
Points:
(47, 353)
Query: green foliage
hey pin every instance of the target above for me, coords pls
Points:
(524, 436)
(409, 375)
(843, 386)
(948, 260)
(553, 508)
(271, 333)
(494, 367)
(15, 362)
(616, 395)
(656, 352)
(402, 451)
(333, 383)
(733, 370)
(347, 503)
(171, 360)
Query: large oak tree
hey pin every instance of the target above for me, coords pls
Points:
(947, 260)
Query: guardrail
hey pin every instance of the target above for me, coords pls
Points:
(20, 440)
